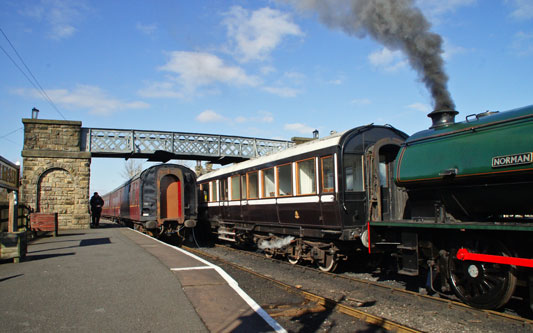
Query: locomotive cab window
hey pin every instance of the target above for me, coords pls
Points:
(269, 185)
(328, 174)
(235, 187)
(306, 177)
(253, 185)
(284, 180)
(383, 173)
(353, 173)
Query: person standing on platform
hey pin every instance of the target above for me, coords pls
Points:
(96, 209)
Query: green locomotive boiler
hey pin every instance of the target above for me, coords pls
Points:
(468, 211)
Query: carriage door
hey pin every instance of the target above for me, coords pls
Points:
(385, 200)
(170, 198)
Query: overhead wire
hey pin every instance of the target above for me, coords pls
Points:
(35, 82)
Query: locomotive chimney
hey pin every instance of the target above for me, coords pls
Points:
(442, 117)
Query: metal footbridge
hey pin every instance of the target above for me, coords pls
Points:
(164, 146)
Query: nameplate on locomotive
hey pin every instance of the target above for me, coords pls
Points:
(512, 160)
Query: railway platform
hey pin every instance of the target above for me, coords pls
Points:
(114, 279)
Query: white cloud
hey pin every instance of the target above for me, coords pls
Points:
(298, 127)
(523, 43)
(265, 70)
(388, 60)
(451, 50)
(282, 91)
(523, 9)
(256, 34)
(61, 16)
(335, 82)
(438, 8)
(284, 86)
(419, 107)
(147, 29)
(361, 101)
(196, 70)
(262, 117)
(87, 97)
(210, 116)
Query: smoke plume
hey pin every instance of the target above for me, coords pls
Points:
(398, 25)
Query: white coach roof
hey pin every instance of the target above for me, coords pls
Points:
(303, 148)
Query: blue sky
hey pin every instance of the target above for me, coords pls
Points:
(251, 68)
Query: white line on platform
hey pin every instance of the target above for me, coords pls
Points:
(232, 283)
(190, 268)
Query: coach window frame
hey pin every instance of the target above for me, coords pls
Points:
(235, 187)
(248, 188)
(244, 187)
(265, 174)
(314, 180)
(325, 189)
(213, 191)
(279, 180)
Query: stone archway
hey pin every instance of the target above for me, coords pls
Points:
(56, 194)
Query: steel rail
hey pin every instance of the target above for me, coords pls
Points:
(449, 302)
(328, 303)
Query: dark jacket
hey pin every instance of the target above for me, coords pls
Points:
(96, 202)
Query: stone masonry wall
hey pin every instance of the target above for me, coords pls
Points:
(55, 173)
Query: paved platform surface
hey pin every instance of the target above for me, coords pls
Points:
(114, 279)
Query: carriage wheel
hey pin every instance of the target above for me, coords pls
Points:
(480, 284)
(269, 253)
(294, 258)
(329, 264)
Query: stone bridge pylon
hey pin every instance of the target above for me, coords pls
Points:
(56, 173)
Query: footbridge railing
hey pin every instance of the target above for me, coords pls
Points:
(164, 146)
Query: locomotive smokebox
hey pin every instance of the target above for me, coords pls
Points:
(442, 117)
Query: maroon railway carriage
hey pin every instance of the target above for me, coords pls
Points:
(306, 202)
(160, 200)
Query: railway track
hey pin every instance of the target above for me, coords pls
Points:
(472, 319)
(323, 301)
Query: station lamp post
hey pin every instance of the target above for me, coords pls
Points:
(34, 113)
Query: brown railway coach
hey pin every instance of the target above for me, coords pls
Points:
(311, 196)
(160, 200)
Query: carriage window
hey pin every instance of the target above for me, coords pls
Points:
(213, 193)
(224, 189)
(204, 192)
(328, 174)
(269, 185)
(353, 173)
(285, 180)
(235, 188)
(306, 183)
(253, 185)
(243, 190)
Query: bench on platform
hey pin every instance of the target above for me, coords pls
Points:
(44, 222)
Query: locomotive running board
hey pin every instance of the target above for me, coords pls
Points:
(464, 254)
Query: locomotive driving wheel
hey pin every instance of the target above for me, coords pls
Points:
(481, 284)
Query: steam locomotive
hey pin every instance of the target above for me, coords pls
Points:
(452, 202)
(159, 201)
